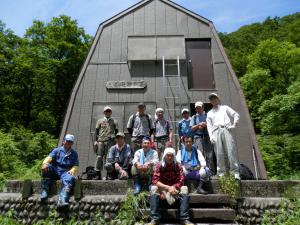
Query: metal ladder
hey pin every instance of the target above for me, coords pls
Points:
(172, 91)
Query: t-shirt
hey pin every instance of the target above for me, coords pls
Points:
(196, 119)
(107, 127)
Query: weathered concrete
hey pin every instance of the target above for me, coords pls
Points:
(104, 198)
(251, 188)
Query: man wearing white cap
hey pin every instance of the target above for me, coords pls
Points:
(184, 129)
(62, 163)
(167, 184)
(106, 130)
(201, 137)
(163, 132)
(219, 127)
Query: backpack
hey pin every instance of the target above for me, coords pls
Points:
(90, 173)
(133, 120)
(245, 172)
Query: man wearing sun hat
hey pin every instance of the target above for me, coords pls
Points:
(219, 127)
(106, 130)
(163, 132)
(167, 186)
(62, 163)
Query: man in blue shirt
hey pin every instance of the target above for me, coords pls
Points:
(62, 163)
(184, 129)
(119, 159)
(201, 137)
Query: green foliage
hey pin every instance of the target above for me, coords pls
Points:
(131, 208)
(38, 71)
(281, 114)
(229, 185)
(281, 154)
(289, 214)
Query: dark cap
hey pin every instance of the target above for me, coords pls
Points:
(146, 138)
(120, 134)
(141, 105)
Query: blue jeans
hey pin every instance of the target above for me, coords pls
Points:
(54, 173)
(183, 207)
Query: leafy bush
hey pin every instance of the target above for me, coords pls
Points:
(288, 214)
(281, 154)
(229, 185)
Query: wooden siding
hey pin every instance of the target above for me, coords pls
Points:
(108, 62)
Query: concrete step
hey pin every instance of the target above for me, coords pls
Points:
(207, 214)
(218, 199)
(250, 188)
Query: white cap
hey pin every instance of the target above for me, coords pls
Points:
(169, 151)
(211, 95)
(69, 137)
(198, 104)
(185, 110)
(107, 108)
(159, 110)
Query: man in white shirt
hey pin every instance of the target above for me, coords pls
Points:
(219, 127)
(143, 163)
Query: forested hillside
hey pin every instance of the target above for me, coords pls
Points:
(38, 71)
(266, 58)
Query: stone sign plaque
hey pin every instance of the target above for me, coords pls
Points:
(126, 84)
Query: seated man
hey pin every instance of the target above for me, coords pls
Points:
(167, 184)
(143, 164)
(194, 164)
(62, 163)
(119, 159)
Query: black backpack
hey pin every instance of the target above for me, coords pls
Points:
(89, 174)
(245, 172)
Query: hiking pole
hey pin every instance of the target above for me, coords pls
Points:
(254, 159)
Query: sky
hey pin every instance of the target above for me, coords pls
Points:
(227, 15)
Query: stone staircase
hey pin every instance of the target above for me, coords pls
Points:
(107, 196)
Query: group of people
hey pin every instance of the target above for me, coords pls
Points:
(150, 159)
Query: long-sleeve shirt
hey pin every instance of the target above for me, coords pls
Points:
(169, 175)
(184, 129)
(123, 156)
(220, 116)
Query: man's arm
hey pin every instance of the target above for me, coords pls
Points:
(234, 114)
(179, 184)
(110, 157)
(209, 126)
(129, 127)
(170, 132)
(201, 158)
(75, 167)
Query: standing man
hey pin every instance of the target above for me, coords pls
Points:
(139, 125)
(219, 126)
(184, 129)
(167, 184)
(106, 129)
(119, 159)
(201, 137)
(193, 164)
(143, 165)
(163, 132)
(62, 163)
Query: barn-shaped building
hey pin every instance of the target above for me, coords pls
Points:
(164, 55)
